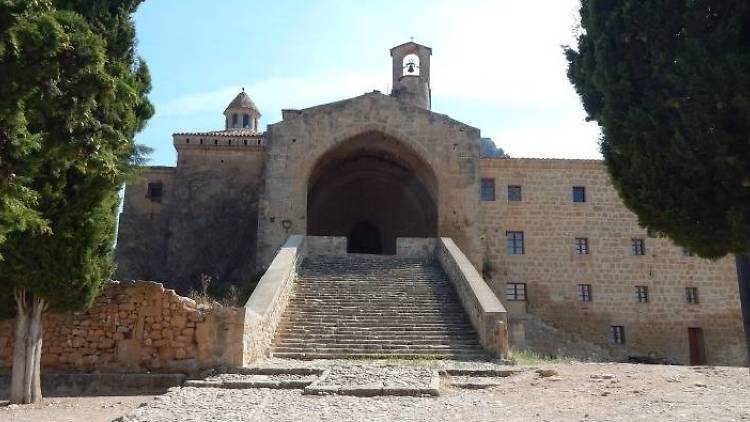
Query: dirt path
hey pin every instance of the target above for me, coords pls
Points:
(72, 409)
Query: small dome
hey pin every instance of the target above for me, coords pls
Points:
(242, 100)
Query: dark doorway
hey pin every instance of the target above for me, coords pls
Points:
(364, 237)
(375, 180)
(697, 346)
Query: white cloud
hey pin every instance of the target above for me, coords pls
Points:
(504, 54)
(566, 136)
(277, 93)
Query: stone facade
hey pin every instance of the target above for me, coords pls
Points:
(137, 326)
(552, 269)
(377, 167)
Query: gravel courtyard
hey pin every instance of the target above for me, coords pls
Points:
(567, 392)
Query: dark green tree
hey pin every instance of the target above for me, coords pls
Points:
(73, 97)
(668, 82)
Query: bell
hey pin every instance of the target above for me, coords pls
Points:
(410, 67)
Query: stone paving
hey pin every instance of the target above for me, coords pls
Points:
(359, 378)
(570, 392)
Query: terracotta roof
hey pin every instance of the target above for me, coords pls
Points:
(242, 100)
(230, 132)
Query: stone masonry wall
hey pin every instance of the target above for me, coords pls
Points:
(137, 326)
(552, 269)
(206, 222)
(298, 143)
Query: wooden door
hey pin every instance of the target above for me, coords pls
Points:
(697, 347)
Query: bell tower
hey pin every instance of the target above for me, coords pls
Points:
(411, 74)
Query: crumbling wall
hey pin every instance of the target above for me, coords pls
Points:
(137, 326)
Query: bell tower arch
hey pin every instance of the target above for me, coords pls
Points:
(411, 74)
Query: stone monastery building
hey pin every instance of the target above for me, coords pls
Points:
(551, 238)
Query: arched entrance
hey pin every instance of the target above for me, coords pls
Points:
(372, 189)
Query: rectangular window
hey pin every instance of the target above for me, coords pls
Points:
(582, 246)
(488, 189)
(515, 292)
(692, 295)
(639, 247)
(514, 242)
(584, 293)
(641, 294)
(579, 194)
(154, 191)
(617, 334)
(514, 193)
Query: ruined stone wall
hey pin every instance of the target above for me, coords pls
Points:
(552, 269)
(207, 221)
(137, 326)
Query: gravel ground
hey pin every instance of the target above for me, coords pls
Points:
(567, 392)
(72, 409)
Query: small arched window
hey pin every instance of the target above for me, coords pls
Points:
(234, 120)
(411, 65)
(245, 120)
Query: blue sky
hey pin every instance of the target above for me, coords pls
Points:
(497, 65)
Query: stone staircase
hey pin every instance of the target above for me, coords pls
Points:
(369, 306)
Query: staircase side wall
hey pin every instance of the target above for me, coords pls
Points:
(269, 299)
(487, 314)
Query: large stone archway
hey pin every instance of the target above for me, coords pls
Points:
(372, 189)
(307, 145)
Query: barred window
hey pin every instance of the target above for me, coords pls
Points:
(579, 194)
(515, 292)
(488, 189)
(617, 334)
(584, 293)
(514, 242)
(692, 295)
(641, 294)
(582, 245)
(638, 247)
(514, 193)
(154, 191)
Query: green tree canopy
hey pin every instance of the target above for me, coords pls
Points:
(668, 81)
(73, 97)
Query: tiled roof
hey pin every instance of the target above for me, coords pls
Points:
(242, 100)
(230, 132)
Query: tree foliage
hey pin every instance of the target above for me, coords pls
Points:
(72, 97)
(668, 81)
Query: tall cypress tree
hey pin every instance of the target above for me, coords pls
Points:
(77, 95)
(668, 81)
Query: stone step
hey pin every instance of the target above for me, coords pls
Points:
(359, 348)
(374, 311)
(360, 307)
(393, 355)
(346, 338)
(301, 342)
(375, 323)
